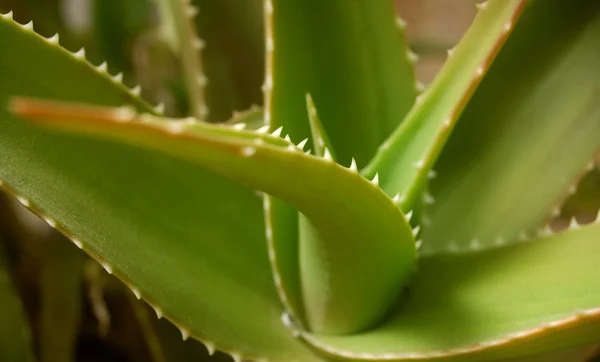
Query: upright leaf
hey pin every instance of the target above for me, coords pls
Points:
(526, 135)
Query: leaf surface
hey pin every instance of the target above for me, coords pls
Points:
(360, 261)
(160, 225)
(405, 159)
(517, 301)
(15, 335)
(527, 134)
(353, 60)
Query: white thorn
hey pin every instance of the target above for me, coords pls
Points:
(160, 108)
(192, 11)
(479, 71)
(401, 23)
(77, 243)
(447, 122)
(23, 201)
(590, 166)
(302, 143)
(107, 268)
(158, 312)
(507, 26)
(418, 244)
(482, 5)
(287, 138)
(307, 152)
(413, 57)
(597, 217)
(499, 240)
(202, 80)
(102, 67)
(450, 52)
(556, 211)
(248, 151)
(546, 231)
(428, 199)
(353, 166)
(523, 236)
(118, 77)
(327, 154)
(375, 180)
(184, 334)
(292, 148)
(53, 39)
(80, 54)
(176, 127)
(277, 132)
(8, 15)
(419, 98)
(409, 215)
(239, 126)
(236, 357)
(263, 129)
(50, 222)
(420, 86)
(136, 292)
(199, 44)
(573, 224)
(432, 174)
(572, 190)
(419, 164)
(396, 198)
(28, 26)
(137, 90)
(210, 348)
(416, 230)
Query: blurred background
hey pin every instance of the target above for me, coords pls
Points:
(76, 310)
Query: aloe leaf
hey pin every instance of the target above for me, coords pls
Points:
(321, 144)
(357, 69)
(521, 300)
(61, 280)
(15, 336)
(213, 280)
(348, 282)
(178, 18)
(525, 136)
(233, 59)
(406, 158)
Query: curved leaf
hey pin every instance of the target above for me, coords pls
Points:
(517, 301)
(160, 225)
(355, 262)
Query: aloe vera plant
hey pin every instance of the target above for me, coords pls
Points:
(357, 217)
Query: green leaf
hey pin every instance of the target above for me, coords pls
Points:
(177, 20)
(15, 336)
(61, 280)
(353, 60)
(234, 58)
(525, 136)
(406, 158)
(357, 263)
(190, 242)
(516, 301)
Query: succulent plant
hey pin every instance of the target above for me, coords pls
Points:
(360, 216)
